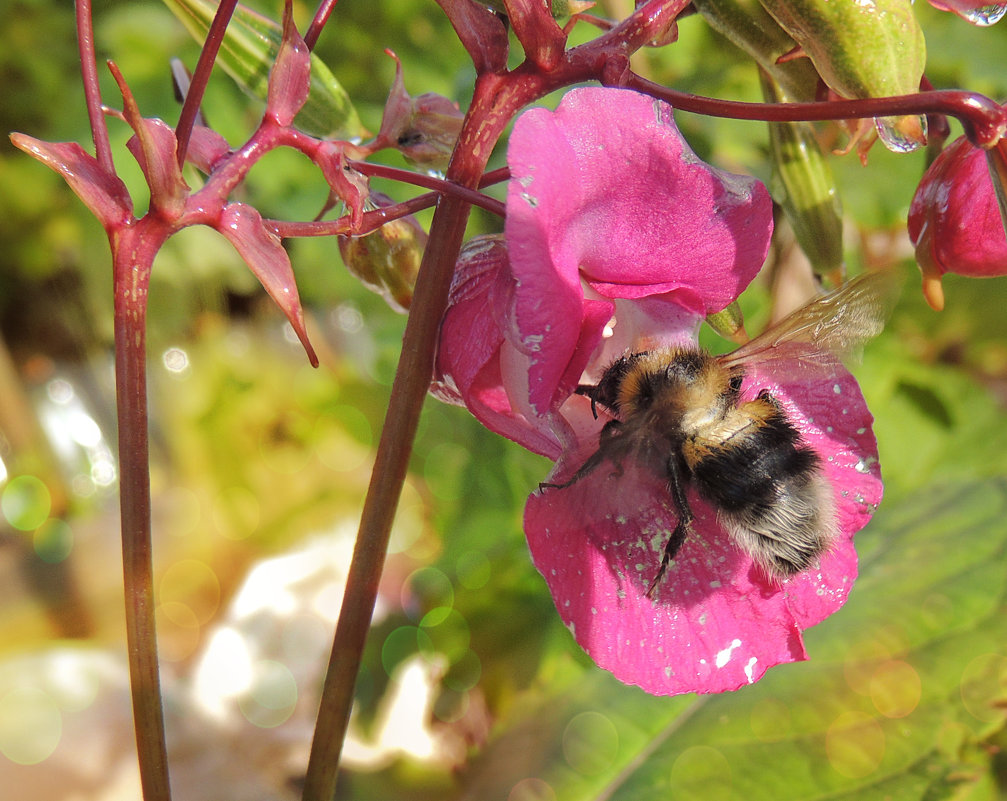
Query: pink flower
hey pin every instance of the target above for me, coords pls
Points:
(955, 222)
(618, 238)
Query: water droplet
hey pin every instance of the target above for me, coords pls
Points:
(987, 15)
(902, 134)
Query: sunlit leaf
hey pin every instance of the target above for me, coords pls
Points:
(903, 688)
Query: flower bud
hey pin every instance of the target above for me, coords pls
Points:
(387, 260)
(729, 323)
(955, 221)
(424, 128)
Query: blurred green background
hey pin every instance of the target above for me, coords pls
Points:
(472, 688)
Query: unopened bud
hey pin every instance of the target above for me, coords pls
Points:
(387, 260)
(729, 323)
(424, 128)
(956, 221)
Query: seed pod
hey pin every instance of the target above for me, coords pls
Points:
(803, 185)
(862, 50)
(747, 24)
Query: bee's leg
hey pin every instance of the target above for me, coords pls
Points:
(588, 390)
(676, 484)
(609, 434)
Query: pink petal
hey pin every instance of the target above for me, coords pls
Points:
(605, 185)
(290, 78)
(473, 351)
(102, 192)
(265, 256)
(606, 194)
(717, 623)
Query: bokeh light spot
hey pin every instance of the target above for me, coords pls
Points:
(272, 696)
(30, 725)
(590, 743)
(343, 439)
(398, 646)
(450, 636)
(984, 687)
(864, 656)
(473, 570)
(175, 360)
(532, 790)
(896, 689)
(464, 673)
(53, 541)
(193, 583)
(855, 745)
(25, 502)
(183, 510)
(702, 768)
(426, 589)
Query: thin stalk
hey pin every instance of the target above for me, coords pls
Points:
(325, 9)
(132, 271)
(92, 91)
(201, 76)
(494, 103)
(984, 121)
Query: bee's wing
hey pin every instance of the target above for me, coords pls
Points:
(817, 335)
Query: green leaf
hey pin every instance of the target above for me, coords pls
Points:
(250, 47)
(904, 689)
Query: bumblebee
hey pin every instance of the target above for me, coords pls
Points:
(679, 411)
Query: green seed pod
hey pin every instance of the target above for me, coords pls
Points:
(861, 50)
(747, 24)
(251, 43)
(803, 185)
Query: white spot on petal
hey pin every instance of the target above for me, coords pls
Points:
(723, 657)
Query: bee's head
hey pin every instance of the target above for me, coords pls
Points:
(677, 381)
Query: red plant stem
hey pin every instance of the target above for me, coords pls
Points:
(325, 9)
(133, 251)
(439, 185)
(985, 122)
(92, 90)
(201, 76)
(495, 101)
